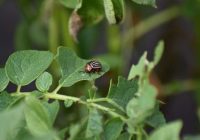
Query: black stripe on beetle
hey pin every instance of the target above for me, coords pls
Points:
(93, 66)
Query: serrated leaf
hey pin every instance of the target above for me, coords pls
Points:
(169, 131)
(94, 126)
(157, 118)
(114, 10)
(44, 81)
(91, 11)
(11, 122)
(158, 52)
(6, 100)
(23, 67)
(68, 103)
(123, 92)
(139, 108)
(113, 129)
(146, 2)
(139, 69)
(3, 79)
(72, 68)
(37, 117)
(52, 109)
(71, 3)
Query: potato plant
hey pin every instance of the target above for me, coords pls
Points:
(126, 112)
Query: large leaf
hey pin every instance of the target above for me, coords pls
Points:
(72, 68)
(11, 122)
(7, 101)
(114, 10)
(139, 108)
(23, 67)
(123, 92)
(94, 126)
(3, 79)
(37, 117)
(146, 2)
(44, 82)
(113, 129)
(52, 109)
(167, 132)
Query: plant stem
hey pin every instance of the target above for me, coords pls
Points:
(18, 88)
(106, 100)
(57, 89)
(139, 135)
(75, 99)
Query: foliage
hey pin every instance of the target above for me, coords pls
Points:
(131, 104)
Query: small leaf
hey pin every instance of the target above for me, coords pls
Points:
(123, 92)
(6, 100)
(157, 118)
(94, 126)
(44, 81)
(124, 136)
(52, 109)
(113, 129)
(158, 52)
(37, 117)
(146, 2)
(3, 79)
(139, 69)
(73, 68)
(68, 103)
(11, 122)
(114, 10)
(139, 108)
(23, 67)
(169, 131)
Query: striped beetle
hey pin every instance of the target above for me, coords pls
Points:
(93, 66)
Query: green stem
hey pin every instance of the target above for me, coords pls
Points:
(75, 99)
(152, 22)
(18, 88)
(139, 134)
(57, 89)
(106, 100)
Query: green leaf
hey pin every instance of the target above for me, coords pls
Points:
(37, 117)
(114, 10)
(72, 68)
(44, 82)
(52, 109)
(94, 126)
(23, 67)
(3, 79)
(68, 103)
(11, 122)
(113, 129)
(124, 136)
(91, 11)
(158, 52)
(169, 131)
(123, 92)
(139, 108)
(157, 118)
(71, 3)
(146, 2)
(7, 101)
(139, 69)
